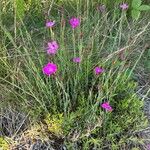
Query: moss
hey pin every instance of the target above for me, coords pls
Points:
(54, 123)
(4, 144)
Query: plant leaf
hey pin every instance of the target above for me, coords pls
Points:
(135, 14)
(28, 4)
(136, 3)
(144, 7)
(20, 8)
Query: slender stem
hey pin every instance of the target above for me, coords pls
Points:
(74, 43)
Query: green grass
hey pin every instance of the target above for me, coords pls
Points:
(110, 40)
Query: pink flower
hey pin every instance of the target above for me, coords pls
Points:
(74, 22)
(52, 47)
(106, 106)
(49, 69)
(148, 147)
(102, 8)
(77, 60)
(98, 70)
(50, 24)
(124, 6)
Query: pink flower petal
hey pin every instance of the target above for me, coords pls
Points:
(49, 69)
(50, 24)
(74, 22)
(98, 70)
(124, 6)
(52, 47)
(106, 106)
(77, 60)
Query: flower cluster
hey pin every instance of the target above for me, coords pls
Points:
(102, 8)
(52, 47)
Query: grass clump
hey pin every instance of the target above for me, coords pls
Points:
(111, 130)
(54, 124)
